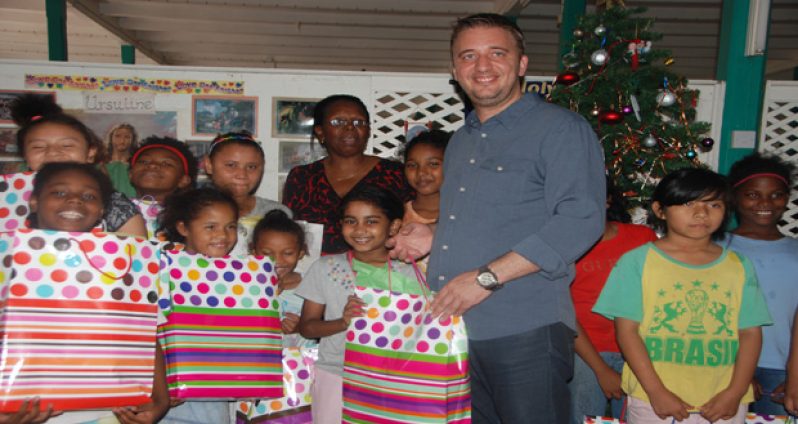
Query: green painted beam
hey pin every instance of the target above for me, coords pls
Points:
(56, 29)
(745, 82)
(128, 54)
(571, 11)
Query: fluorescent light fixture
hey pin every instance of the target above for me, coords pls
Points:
(757, 36)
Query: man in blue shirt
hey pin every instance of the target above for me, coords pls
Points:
(523, 197)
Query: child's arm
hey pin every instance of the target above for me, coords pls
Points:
(313, 326)
(29, 412)
(791, 385)
(135, 226)
(725, 404)
(153, 411)
(664, 402)
(608, 378)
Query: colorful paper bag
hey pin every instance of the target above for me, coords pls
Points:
(15, 191)
(752, 418)
(149, 209)
(402, 366)
(222, 338)
(79, 318)
(294, 407)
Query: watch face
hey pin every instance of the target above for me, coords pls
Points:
(486, 279)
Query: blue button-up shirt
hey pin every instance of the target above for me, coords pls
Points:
(528, 180)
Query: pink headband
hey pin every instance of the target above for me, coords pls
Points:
(761, 174)
(161, 146)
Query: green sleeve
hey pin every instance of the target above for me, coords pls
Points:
(622, 296)
(753, 308)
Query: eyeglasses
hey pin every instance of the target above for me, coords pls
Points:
(357, 123)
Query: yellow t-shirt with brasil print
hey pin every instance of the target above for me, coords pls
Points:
(689, 318)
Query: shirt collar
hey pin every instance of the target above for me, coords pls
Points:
(509, 115)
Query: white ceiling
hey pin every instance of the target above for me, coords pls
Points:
(372, 35)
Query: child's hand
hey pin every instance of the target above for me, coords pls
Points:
(29, 412)
(289, 323)
(791, 396)
(354, 308)
(777, 395)
(757, 388)
(176, 402)
(667, 404)
(610, 382)
(723, 405)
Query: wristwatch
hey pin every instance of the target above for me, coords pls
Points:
(487, 279)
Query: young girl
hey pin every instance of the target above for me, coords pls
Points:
(424, 172)
(279, 237)
(687, 311)
(46, 134)
(160, 167)
(369, 217)
(205, 221)
(235, 165)
(598, 363)
(761, 186)
(69, 196)
(121, 141)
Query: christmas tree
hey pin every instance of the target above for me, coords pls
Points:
(643, 113)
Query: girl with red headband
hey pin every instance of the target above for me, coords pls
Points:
(761, 186)
(160, 167)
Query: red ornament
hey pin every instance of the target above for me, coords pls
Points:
(610, 117)
(669, 156)
(567, 78)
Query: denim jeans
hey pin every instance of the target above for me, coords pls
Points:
(522, 378)
(586, 395)
(768, 378)
(198, 412)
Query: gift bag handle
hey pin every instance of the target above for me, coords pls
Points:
(128, 250)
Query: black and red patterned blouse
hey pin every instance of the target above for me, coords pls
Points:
(312, 198)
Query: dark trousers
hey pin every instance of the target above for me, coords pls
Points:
(522, 378)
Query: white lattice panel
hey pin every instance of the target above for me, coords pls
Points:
(392, 108)
(780, 137)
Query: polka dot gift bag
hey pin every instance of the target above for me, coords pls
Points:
(15, 191)
(402, 366)
(222, 337)
(294, 407)
(79, 319)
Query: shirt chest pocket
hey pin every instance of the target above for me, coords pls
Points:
(503, 181)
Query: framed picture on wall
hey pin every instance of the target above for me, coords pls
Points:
(294, 153)
(12, 166)
(7, 96)
(212, 115)
(8, 144)
(200, 149)
(292, 118)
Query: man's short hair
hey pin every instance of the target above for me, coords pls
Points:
(488, 20)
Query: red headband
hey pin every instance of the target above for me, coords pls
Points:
(161, 146)
(761, 174)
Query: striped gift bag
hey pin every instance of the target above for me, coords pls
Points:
(15, 190)
(79, 318)
(222, 338)
(401, 366)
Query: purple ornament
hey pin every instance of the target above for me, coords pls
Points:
(627, 109)
(707, 143)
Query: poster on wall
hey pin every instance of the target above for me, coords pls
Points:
(7, 96)
(8, 143)
(292, 118)
(162, 124)
(295, 154)
(212, 115)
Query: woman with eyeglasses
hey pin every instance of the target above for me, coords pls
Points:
(314, 191)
